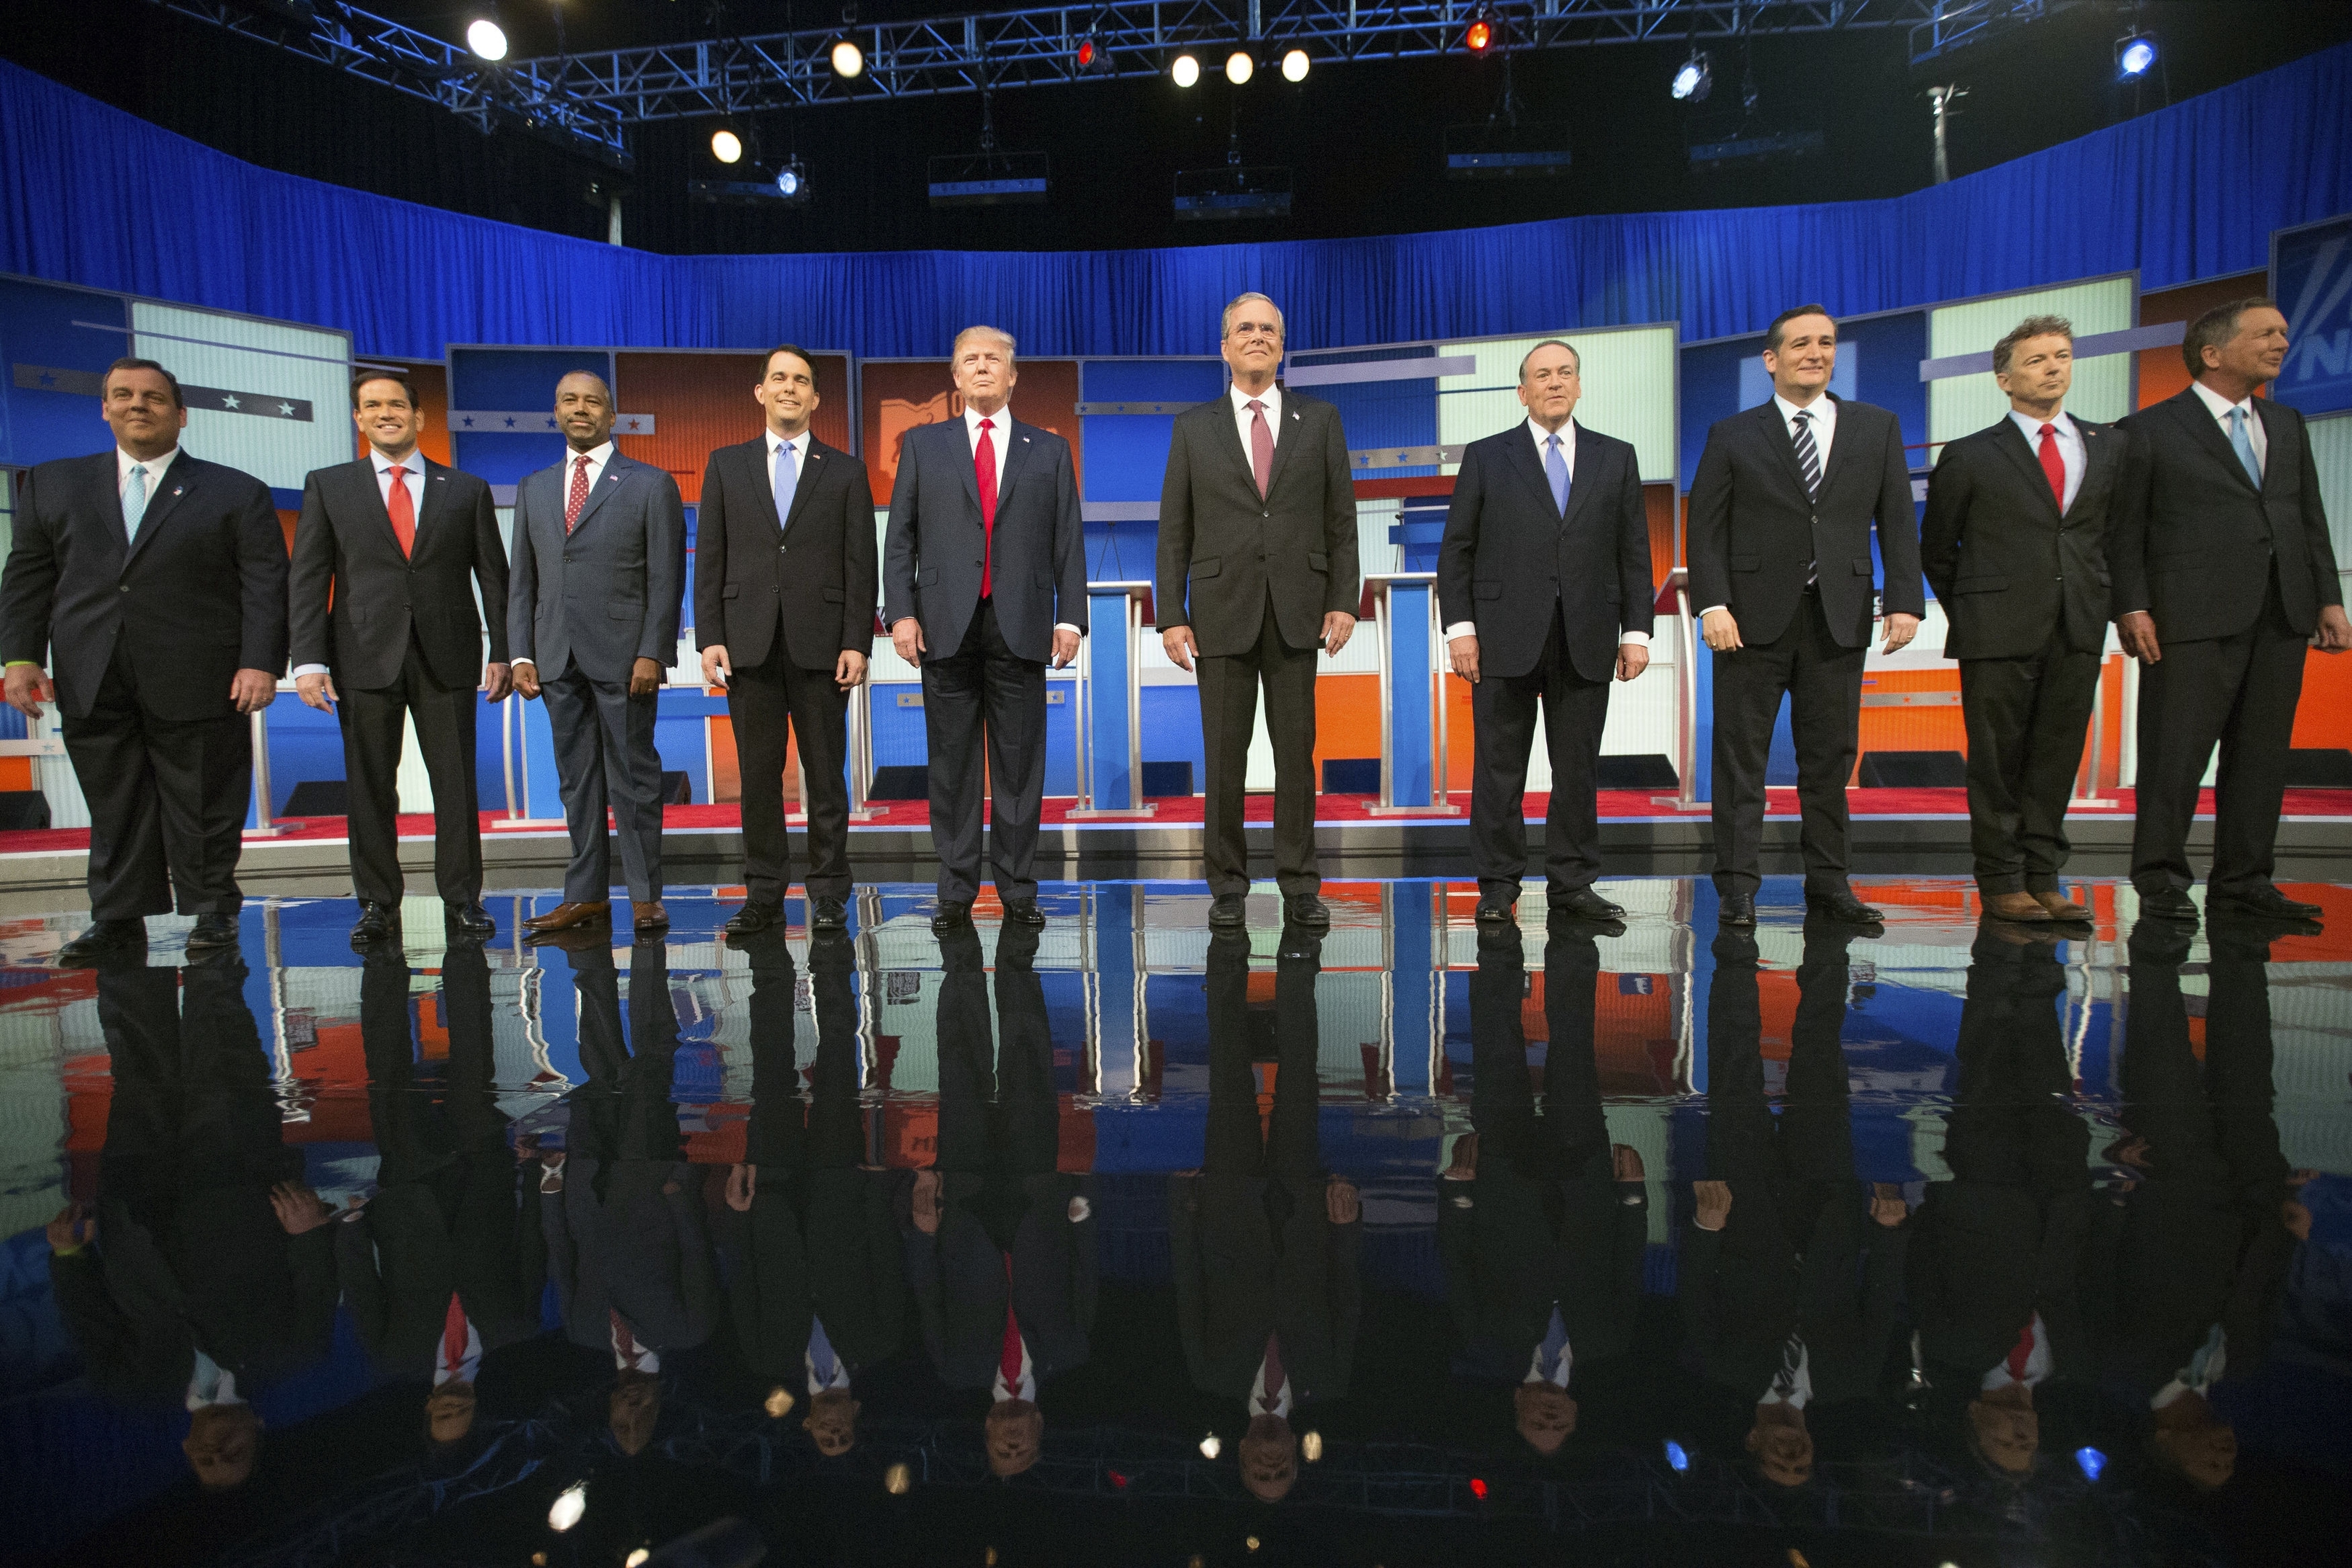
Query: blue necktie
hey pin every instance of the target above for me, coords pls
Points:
(787, 481)
(1556, 471)
(2243, 445)
(1554, 1343)
(820, 1348)
(134, 500)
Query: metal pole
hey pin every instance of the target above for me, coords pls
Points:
(1686, 701)
(1388, 742)
(1085, 716)
(263, 827)
(1135, 702)
(506, 752)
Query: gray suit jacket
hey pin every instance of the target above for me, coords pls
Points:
(931, 555)
(607, 596)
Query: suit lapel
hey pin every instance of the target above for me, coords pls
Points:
(606, 483)
(812, 471)
(1528, 465)
(2098, 454)
(1230, 435)
(2205, 431)
(370, 497)
(436, 486)
(1776, 435)
(2012, 441)
(2276, 431)
(1586, 458)
(1839, 449)
(1016, 453)
(160, 506)
(955, 441)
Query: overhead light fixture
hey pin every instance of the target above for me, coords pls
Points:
(1295, 65)
(849, 59)
(487, 38)
(1479, 37)
(726, 146)
(792, 181)
(1485, 150)
(1184, 70)
(1240, 68)
(1232, 191)
(1093, 56)
(1695, 78)
(2135, 53)
(989, 179)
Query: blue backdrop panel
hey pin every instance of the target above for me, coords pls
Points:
(1171, 729)
(1382, 413)
(2311, 277)
(508, 382)
(1108, 655)
(41, 417)
(1879, 362)
(1126, 455)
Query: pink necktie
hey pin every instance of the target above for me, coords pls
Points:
(579, 496)
(1261, 447)
(1009, 1363)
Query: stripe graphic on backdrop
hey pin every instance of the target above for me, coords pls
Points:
(220, 400)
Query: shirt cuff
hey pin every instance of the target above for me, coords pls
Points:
(1462, 629)
(1639, 639)
(524, 659)
(302, 670)
(1711, 609)
(27, 663)
(1065, 627)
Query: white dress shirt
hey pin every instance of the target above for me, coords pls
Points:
(597, 458)
(2219, 408)
(2037, 1360)
(465, 1368)
(999, 432)
(211, 1383)
(1259, 1405)
(414, 479)
(1543, 456)
(2070, 447)
(124, 462)
(1792, 1387)
(1026, 1388)
(1823, 410)
(2204, 1370)
(1557, 1374)
(1243, 418)
(800, 445)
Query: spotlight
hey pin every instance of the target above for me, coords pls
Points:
(1239, 67)
(849, 59)
(487, 38)
(1094, 56)
(1295, 65)
(726, 146)
(2135, 52)
(1478, 1487)
(570, 1504)
(2090, 1461)
(1480, 37)
(1184, 70)
(1696, 79)
(639, 1559)
(1677, 1458)
(1211, 1447)
(791, 184)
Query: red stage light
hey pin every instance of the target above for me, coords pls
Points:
(1478, 1487)
(1479, 38)
(1086, 53)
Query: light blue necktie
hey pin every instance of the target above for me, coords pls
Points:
(1556, 471)
(787, 481)
(820, 1347)
(2243, 445)
(134, 500)
(1555, 1341)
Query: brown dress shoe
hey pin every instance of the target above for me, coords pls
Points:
(652, 917)
(2061, 907)
(2014, 907)
(563, 916)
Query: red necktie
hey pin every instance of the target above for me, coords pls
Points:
(1009, 1363)
(453, 1337)
(625, 1340)
(403, 510)
(2022, 1351)
(1272, 1371)
(2054, 466)
(983, 461)
(1261, 447)
(579, 496)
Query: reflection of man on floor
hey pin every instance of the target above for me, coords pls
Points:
(1265, 1241)
(1783, 1231)
(1541, 1220)
(1002, 1249)
(819, 1280)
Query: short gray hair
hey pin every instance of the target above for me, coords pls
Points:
(999, 333)
(2032, 327)
(1225, 322)
(1576, 360)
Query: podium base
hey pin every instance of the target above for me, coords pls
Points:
(1676, 803)
(1412, 811)
(1094, 813)
(515, 824)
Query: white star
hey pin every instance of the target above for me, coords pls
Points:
(229, 400)
(286, 409)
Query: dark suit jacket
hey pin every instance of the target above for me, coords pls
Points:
(2006, 566)
(935, 545)
(200, 595)
(346, 556)
(958, 1278)
(837, 1256)
(1236, 1282)
(1753, 530)
(1510, 557)
(617, 1243)
(814, 573)
(608, 595)
(2193, 541)
(1222, 547)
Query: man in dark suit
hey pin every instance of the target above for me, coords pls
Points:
(386, 559)
(1541, 1221)
(1544, 584)
(1780, 518)
(158, 581)
(599, 571)
(984, 580)
(1257, 571)
(2223, 575)
(783, 604)
(2015, 546)
(1264, 1240)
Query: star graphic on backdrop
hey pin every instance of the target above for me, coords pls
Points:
(286, 409)
(229, 400)
(632, 424)
(551, 421)
(469, 422)
(509, 422)
(49, 378)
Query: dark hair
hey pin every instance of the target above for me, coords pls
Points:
(2032, 327)
(407, 384)
(799, 354)
(127, 363)
(2216, 327)
(1772, 334)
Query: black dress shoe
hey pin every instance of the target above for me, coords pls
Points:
(1584, 904)
(104, 940)
(212, 931)
(470, 919)
(2260, 898)
(1735, 910)
(954, 914)
(2169, 904)
(376, 922)
(752, 917)
(1495, 912)
(1842, 905)
(1230, 912)
(1305, 910)
(1024, 913)
(828, 914)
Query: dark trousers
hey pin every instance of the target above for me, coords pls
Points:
(1285, 1146)
(1229, 686)
(2240, 691)
(605, 758)
(371, 726)
(1516, 1138)
(984, 685)
(1823, 683)
(768, 703)
(2026, 720)
(787, 1133)
(1574, 711)
(998, 1115)
(168, 800)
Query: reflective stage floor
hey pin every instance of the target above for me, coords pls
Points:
(1942, 1243)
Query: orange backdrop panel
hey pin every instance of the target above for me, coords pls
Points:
(432, 401)
(701, 402)
(898, 395)
(2162, 372)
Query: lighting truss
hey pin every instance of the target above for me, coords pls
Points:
(1959, 23)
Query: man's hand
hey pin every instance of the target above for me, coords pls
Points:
(742, 1184)
(1463, 654)
(850, 669)
(526, 680)
(926, 1201)
(28, 687)
(252, 690)
(1338, 625)
(1900, 629)
(1886, 1204)
(1463, 1166)
(645, 678)
(1720, 631)
(1633, 659)
(497, 679)
(1342, 1203)
(2136, 630)
(1625, 1164)
(716, 668)
(73, 1229)
(2335, 629)
(906, 636)
(299, 1208)
(1714, 1204)
(317, 689)
(1066, 648)
(1177, 644)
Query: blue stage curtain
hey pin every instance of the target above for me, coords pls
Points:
(91, 195)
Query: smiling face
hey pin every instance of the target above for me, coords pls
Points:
(1802, 366)
(145, 414)
(1253, 341)
(2254, 353)
(584, 409)
(788, 392)
(385, 418)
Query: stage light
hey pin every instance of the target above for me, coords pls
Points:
(1239, 67)
(1094, 56)
(1478, 1489)
(1211, 1446)
(1295, 65)
(849, 59)
(1184, 70)
(790, 181)
(2090, 1461)
(638, 1558)
(569, 1506)
(487, 38)
(1696, 79)
(2135, 52)
(726, 146)
(1480, 37)
(1677, 1458)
